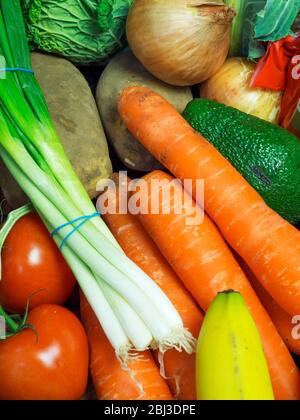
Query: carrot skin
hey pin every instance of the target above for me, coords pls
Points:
(281, 319)
(206, 266)
(140, 248)
(258, 234)
(110, 381)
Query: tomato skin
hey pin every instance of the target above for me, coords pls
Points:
(32, 263)
(53, 366)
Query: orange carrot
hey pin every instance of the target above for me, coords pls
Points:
(205, 264)
(269, 244)
(111, 381)
(139, 247)
(281, 319)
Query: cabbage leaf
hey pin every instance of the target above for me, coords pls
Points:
(83, 31)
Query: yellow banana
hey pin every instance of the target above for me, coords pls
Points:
(231, 364)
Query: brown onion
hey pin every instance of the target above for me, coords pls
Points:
(231, 86)
(182, 42)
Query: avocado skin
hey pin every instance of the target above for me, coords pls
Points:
(265, 154)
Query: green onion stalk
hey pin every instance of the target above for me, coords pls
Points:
(236, 46)
(132, 310)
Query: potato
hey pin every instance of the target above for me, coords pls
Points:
(125, 70)
(77, 121)
(76, 118)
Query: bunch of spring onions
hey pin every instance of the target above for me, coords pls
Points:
(133, 311)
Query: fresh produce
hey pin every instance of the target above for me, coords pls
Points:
(132, 309)
(282, 320)
(231, 364)
(139, 381)
(178, 367)
(214, 228)
(252, 228)
(260, 20)
(122, 71)
(243, 32)
(33, 269)
(76, 119)
(46, 362)
(179, 41)
(231, 86)
(266, 155)
(84, 31)
(275, 21)
(202, 260)
(267, 243)
(277, 70)
(11, 191)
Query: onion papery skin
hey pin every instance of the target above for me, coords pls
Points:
(181, 42)
(231, 86)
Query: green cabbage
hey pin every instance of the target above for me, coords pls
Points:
(84, 31)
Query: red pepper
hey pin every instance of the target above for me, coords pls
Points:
(279, 69)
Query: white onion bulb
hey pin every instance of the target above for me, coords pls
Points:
(182, 42)
(231, 86)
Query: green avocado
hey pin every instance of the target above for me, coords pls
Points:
(265, 154)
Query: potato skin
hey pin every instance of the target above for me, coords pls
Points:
(125, 70)
(76, 117)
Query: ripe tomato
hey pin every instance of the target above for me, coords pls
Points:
(32, 263)
(51, 365)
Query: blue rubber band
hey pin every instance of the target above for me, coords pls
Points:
(82, 219)
(16, 69)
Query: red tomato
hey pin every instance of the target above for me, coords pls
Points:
(32, 263)
(52, 365)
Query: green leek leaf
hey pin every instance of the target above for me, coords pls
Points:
(275, 21)
(243, 43)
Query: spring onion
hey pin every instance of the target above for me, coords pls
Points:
(132, 309)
